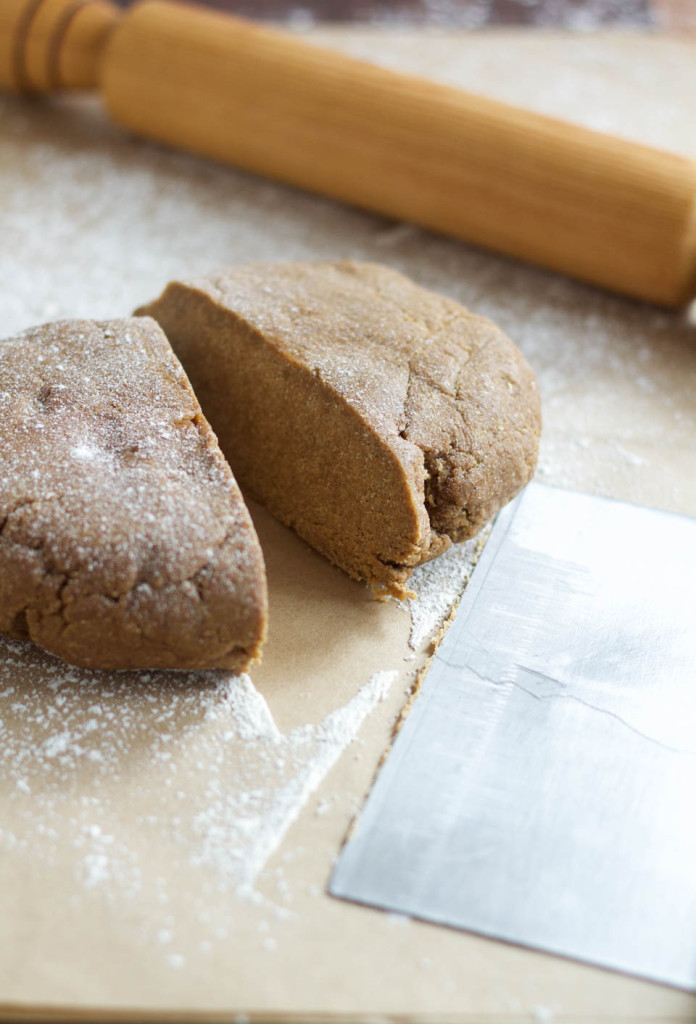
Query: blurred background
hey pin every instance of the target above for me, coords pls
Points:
(578, 15)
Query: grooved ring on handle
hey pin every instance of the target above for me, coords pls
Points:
(37, 41)
(53, 56)
(21, 35)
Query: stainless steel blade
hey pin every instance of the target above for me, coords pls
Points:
(543, 788)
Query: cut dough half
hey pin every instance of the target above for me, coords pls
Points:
(124, 539)
(379, 420)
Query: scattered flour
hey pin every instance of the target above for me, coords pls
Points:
(239, 831)
(544, 1014)
(145, 215)
(438, 585)
(94, 767)
(79, 747)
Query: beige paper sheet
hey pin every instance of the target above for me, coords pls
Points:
(149, 859)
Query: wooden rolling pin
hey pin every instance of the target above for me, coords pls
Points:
(607, 211)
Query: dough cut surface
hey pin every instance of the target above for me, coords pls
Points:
(379, 420)
(124, 539)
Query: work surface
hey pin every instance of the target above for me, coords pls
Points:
(166, 841)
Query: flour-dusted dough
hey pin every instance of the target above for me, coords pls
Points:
(124, 539)
(377, 419)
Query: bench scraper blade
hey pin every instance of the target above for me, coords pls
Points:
(543, 788)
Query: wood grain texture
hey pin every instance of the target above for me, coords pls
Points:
(606, 211)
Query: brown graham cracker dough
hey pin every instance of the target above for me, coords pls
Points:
(124, 539)
(379, 420)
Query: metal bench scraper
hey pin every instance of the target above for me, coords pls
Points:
(542, 789)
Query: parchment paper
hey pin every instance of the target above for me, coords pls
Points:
(125, 878)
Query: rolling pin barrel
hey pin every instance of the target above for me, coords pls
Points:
(607, 211)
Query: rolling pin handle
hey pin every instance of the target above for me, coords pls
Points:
(48, 45)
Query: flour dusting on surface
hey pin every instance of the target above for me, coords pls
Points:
(438, 586)
(240, 830)
(138, 798)
(80, 746)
